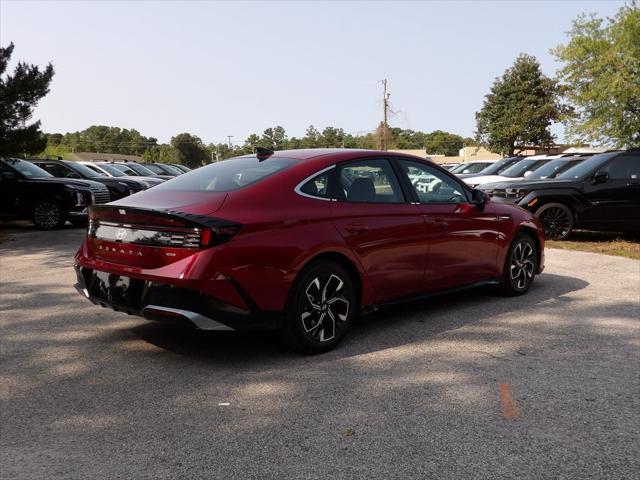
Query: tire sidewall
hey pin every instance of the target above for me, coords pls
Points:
(292, 329)
(62, 215)
(508, 285)
(562, 206)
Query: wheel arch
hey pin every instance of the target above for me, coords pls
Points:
(533, 233)
(363, 293)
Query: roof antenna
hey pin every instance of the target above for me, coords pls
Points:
(263, 153)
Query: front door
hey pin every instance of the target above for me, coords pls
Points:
(462, 239)
(383, 229)
(615, 202)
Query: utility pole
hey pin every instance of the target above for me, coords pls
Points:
(385, 123)
(230, 137)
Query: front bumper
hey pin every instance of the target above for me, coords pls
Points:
(162, 302)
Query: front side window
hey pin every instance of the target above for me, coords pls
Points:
(370, 181)
(431, 185)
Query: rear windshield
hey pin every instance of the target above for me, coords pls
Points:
(227, 175)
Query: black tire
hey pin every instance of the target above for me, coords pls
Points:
(557, 220)
(48, 214)
(315, 322)
(520, 266)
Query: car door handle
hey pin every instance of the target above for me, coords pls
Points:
(438, 223)
(356, 228)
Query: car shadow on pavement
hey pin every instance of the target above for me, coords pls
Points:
(387, 328)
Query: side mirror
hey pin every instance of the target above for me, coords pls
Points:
(600, 177)
(527, 173)
(73, 175)
(479, 198)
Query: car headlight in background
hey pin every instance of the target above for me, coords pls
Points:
(515, 193)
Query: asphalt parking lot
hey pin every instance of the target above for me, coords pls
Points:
(471, 385)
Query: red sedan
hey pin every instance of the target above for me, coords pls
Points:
(302, 241)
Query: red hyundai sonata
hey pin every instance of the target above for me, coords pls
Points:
(302, 241)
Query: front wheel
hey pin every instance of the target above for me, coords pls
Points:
(557, 220)
(48, 214)
(519, 266)
(321, 306)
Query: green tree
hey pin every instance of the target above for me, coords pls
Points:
(600, 76)
(443, 143)
(190, 150)
(19, 94)
(274, 138)
(519, 109)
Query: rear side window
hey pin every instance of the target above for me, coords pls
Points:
(227, 175)
(318, 186)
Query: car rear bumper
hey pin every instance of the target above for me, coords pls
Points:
(163, 302)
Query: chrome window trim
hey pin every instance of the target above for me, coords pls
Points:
(310, 177)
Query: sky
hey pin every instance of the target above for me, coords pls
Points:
(234, 68)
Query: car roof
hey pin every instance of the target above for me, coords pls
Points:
(332, 155)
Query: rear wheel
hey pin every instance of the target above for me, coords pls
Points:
(557, 220)
(48, 214)
(519, 266)
(321, 306)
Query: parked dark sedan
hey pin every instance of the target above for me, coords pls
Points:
(28, 192)
(118, 187)
(601, 192)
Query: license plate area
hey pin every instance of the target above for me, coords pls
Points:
(117, 290)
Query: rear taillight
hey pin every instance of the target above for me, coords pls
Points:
(197, 237)
(218, 235)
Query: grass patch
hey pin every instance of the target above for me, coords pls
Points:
(608, 243)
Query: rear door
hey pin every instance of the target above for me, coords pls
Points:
(615, 203)
(381, 226)
(462, 239)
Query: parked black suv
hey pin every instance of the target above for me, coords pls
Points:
(29, 193)
(118, 187)
(601, 192)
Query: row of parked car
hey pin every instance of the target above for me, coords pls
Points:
(51, 192)
(567, 191)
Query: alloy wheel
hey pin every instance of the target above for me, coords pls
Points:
(556, 222)
(325, 308)
(47, 214)
(522, 266)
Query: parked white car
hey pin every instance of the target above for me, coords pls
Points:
(515, 172)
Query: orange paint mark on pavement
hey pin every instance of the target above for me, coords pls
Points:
(506, 400)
